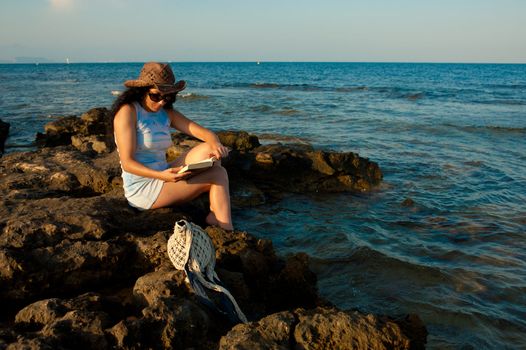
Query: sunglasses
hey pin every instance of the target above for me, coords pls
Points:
(157, 97)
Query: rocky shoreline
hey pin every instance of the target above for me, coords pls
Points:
(79, 268)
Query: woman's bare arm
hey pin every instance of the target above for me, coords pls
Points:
(189, 127)
(124, 125)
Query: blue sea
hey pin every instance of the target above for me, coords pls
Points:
(451, 138)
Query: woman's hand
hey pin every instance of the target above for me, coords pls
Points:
(218, 150)
(171, 175)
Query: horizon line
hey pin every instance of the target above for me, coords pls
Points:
(36, 62)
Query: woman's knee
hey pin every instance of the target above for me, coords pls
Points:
(220, 175)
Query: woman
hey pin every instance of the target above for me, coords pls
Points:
(142, 117)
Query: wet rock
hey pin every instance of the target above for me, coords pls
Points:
(298, 168)
(408, 202)
(4, 132)
(257, 172)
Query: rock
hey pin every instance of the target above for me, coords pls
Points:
(4, 132)
(54, 172)
(90, 143)
(320, 328)
(96, 121)
(80, 268)
(408, 202)
(59, 132)
(61, 323)
(158, 284)
(257, 172)
(271, 332)
(90, 132)
(276, 168)
(238, 140)
(331, 329)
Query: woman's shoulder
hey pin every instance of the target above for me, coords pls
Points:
(128, 108)
(127, 111)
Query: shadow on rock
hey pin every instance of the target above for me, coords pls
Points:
(80, 268)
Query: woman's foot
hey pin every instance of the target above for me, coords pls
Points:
(212, 221)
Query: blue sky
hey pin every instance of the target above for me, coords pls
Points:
(266, 30)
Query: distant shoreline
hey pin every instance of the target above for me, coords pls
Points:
(268, 62)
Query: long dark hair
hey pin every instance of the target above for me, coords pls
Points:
(130, 95)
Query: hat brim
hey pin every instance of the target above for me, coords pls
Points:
(163, 88)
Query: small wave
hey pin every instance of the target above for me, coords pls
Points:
(416, 96)
(262, 108)
(116, 92)
(400, 92)
(474, 163)
(288, 111)
(352, 89)
(287, 139)
(506, 86)
(293, 87)
(264, 86)
(500, 102)
(491, 128)
(190, 96)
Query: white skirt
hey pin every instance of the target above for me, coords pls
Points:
(141, 192)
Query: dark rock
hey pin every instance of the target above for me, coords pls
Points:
(78, 322)
(408, 202)
(260, 171)
(80, 268)
(59, 132)
(176, 323)
(89, 133)
(271, 332)
(160, 284)
(320, 328)
(4, 132)
(238, 140)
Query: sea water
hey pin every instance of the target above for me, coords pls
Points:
(443, 236)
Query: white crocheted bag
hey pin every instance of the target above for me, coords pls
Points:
(190, 249)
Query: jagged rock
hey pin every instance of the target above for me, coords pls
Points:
(177, 323)
(57, 323)
(271, 332)
(90, 132)
(159, 284)
(321, 328)
(66, 229)
(256, 171)
(238, 140)
(4, 132)
(269, 169)
(92, 143)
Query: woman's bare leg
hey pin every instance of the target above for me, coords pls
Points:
(220, 210)
(214, 180)
(200, 152)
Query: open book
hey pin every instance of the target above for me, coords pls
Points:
(203, 164)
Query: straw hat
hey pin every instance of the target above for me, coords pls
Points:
(158, 75)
